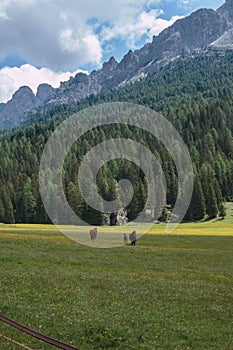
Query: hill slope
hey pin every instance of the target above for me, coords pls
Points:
(195, 95)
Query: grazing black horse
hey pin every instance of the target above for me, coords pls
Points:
(133, 238)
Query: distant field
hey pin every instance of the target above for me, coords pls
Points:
(169, 292)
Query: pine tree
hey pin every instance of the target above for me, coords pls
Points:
(222, 210)
(211, 203)
(197, 208)
(28, 203)
(2, 212)
(75, 199)
(8, 207)
(164, 215)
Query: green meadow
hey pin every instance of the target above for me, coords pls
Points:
(170, 291)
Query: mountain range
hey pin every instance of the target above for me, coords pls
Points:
(203, 31)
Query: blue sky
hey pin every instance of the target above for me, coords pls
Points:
(49, 40)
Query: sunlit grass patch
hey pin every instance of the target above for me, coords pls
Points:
(206, 229)
(40, 227)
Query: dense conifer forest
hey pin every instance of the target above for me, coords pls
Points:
(196, 95)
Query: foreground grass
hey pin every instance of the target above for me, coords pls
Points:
(169, 292)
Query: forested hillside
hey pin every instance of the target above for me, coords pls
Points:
(196, 95)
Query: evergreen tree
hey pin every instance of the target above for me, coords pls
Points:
(28, 203)
(2, 212)
(222, 210)
(75, 199)
(211, 203)
(197, 208)
(8, 207)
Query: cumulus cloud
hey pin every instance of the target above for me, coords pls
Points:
(36, 31)
(64, 35)
(146, 23)
(12, 78)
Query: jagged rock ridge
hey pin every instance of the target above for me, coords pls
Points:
(202, 29)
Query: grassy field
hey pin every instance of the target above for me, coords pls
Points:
(170, 292)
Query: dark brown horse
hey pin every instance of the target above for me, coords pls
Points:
(93, 233)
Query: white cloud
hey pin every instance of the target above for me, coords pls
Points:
(186, 1)
(146, 23)
(160, 24)
(34, 29)
(64, 35)
(12, 78)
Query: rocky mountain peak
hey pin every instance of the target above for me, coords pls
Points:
(129, 60)
(197, 30)
(80, 78)
(226, 11)
(44, 92)
(24, 91)
(110, 65)
(24, 96)
(13, 112)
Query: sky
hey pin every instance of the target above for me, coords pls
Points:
(47, 41)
